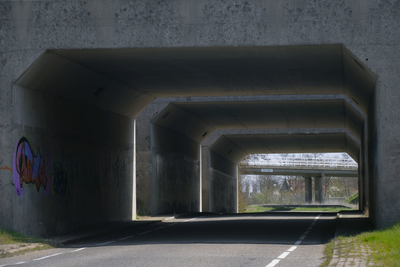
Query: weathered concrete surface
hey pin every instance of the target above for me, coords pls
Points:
(223, 185)
(175, 172)
(86, 162)
(369, 29)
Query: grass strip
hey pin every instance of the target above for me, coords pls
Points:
(21, 241)
(255, 208)
(379, 247)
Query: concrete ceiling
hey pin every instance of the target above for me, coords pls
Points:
(194, 119)
(236, 147)
(124, 81)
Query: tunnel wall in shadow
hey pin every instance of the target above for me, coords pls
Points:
(373, 165)
(222, 176)
(75, 165)
(175, 172)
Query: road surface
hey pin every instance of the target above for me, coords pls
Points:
(266, 239)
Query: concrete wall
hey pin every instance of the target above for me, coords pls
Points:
(369, 29)
(223, 185)
(73, 165)
(175, 172)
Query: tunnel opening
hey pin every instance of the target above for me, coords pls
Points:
(298, 182)
(179, 102)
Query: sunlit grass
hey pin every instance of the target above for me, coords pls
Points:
(256, 208)
(380, 247)
(385, 244)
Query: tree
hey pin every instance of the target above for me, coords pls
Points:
(242, 186)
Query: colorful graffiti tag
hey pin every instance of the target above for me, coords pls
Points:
(30, 168)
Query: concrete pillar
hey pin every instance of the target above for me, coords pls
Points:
(205, 181)
(308, 189)
(318, 189)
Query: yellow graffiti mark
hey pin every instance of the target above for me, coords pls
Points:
(5, 168)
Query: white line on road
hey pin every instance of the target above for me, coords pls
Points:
(109, 242)
(298, 242)
(273, 263)
(18, 263)
(145, 233)
(126, 237)
(169, 218)
(283, 255)
(42, 258)
(76, 250)
(186, 220)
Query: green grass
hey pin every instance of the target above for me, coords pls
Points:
(328, 253)
(353, 199)
(255, 208)
(383, 246)
(13, 237)
(385, 243)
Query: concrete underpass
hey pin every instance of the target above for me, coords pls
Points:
(107, 123)
(178, 172)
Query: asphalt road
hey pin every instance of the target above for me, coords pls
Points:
(270, 239)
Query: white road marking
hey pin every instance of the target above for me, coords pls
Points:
(292, 248)
(145, 233)
(109, 242)
(273, 263)
(306, 232)
(310, 228)
(298, 242)
(126, 237)
(3, 265)
(42, 258)
(76, 250)
(186, 221)
(18, 263)
(302, 237)
(169, 218)
(283, 255)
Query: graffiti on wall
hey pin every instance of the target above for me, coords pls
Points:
(60, 181)
(5, 168)
(30, 168)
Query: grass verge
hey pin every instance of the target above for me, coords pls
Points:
(328, 253)
(379, 247)
(20, 241)
(255, 208)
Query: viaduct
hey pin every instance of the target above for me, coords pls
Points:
(113, 108)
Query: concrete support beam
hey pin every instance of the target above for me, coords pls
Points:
(318, 189)
(308, 189)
